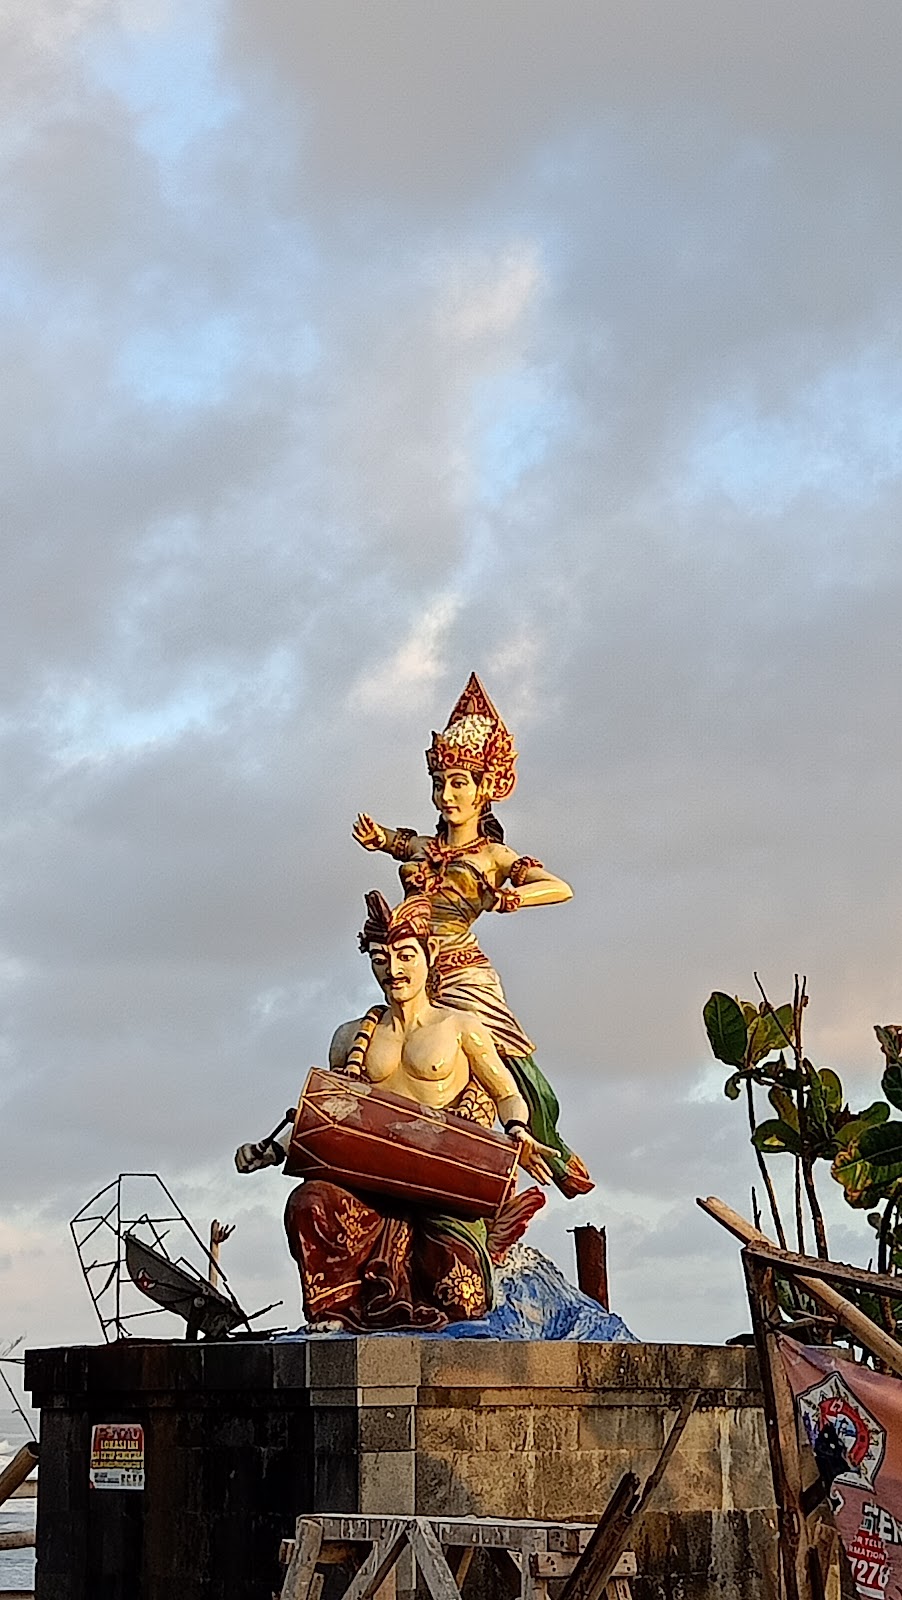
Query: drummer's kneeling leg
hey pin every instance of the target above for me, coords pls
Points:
(330, 1235)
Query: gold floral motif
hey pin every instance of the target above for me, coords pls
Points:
(456, 960)
(521, 869)
(462, 1287)
(314, 1286)
(400, 846)
(351, 1226)
(400, 1244)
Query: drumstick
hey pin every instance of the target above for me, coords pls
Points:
(289, 1116)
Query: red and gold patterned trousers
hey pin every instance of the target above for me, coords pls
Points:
(370, 1265)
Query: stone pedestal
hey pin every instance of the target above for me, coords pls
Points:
(241, 1438)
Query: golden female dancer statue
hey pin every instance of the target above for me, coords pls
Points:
(465, 868)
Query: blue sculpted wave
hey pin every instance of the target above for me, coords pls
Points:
(533, 1300)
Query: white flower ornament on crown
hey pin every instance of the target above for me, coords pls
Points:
(470, 733)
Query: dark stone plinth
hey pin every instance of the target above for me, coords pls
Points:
(229, 1463)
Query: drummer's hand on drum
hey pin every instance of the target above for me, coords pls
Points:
(368, 833)
(253, 1157)
(530, 1155)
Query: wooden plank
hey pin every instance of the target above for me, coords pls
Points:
(332, 1552)
(782, 1435)
(507, 1532)
(16, 1471)
(532, 1587)
(596, 1566)
(16, 1540)
(556, 1564)
(378, 1563)
(552, 1564)
(673, 1439)
(598, 1560)
(829, 1271)
(431, 1562)
(462, 1565)
(302, 1567)
(874, 1339)
(569, 1539)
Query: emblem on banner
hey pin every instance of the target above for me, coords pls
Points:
(844, 1436)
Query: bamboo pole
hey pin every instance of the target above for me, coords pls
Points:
(868, 1334)
(23, 1540)
(782, 1435)
(23, 1462)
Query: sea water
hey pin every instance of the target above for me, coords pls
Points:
(17, 1566)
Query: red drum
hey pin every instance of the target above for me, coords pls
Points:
(353, 1134)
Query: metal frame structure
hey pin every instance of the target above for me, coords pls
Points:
(111, 1217)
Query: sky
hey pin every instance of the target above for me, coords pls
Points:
(350, 348)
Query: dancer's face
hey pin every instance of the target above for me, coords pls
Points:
(457, 796)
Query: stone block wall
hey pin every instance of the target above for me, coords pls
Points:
(554, 1427)
(241, 1438)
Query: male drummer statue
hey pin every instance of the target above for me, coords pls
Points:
(368, 1264)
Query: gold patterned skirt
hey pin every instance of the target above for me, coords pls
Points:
(370, 1265)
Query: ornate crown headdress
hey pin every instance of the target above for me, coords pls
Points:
(476, 738)
(409, 920)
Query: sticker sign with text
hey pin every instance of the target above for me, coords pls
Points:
(117, 1455)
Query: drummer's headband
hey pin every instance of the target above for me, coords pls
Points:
(409, 920)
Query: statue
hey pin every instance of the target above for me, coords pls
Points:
(464, 869)
(366, 1263)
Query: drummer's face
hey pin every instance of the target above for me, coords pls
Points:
(400, 968)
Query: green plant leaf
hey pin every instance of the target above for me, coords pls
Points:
(766, 1035)
(881, 1148)
(889, 1038)
(726, 1029)
(780, 1024)
(817, 1099)
(891, 1084)
(785, 1106)
(857, 1180)
(775, 1136)
(833, 1092)
(733, 1086)
(871, 1117)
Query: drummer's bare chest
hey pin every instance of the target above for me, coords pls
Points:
(429, 1051)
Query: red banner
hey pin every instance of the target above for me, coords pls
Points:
(853, 1421)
